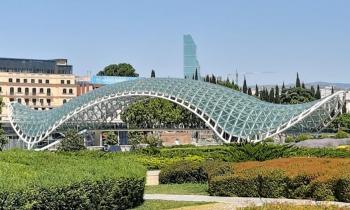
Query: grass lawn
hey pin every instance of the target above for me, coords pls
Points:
(158, 204)
(183, 189)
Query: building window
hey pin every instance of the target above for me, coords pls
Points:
(10, 79)
(0, 89)
(34, 91)
(40, 81)
(25, 80)
(34, 101)
(27, 101)
(41, 90)
(64, 91)
(47, 81)
(68, 82)
(62, 81)
(32, 80)
(48, 102)
(12, 91)
(19, 100)
(41, 102)
(12, 99)
(18, 80)
(26, 91)
(70, 91)
(64, 101)
(48, 91)
(19, 90)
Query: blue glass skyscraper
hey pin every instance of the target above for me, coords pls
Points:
(191, 63)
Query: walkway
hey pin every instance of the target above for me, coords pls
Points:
(239, 202)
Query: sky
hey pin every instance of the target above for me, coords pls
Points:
(267, 41)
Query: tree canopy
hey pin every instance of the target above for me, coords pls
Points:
(122, 70)
(72, 141)
(296, 95)
(156, 112)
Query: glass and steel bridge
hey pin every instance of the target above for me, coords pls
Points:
(232, 115)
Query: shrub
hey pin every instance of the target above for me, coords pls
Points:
(83, 180)
(303, 137)
(183, 172)
(71, 142)
(341, 135)
(342, 189)
(317, 178)
(233, 185)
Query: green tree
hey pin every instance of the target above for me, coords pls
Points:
(196, 75)
(318, 93)
(277, 94)
(153, 74)
(3, 139)
(296, 96)
(283, 88)
(272, 95)
(297, 83)
(111, 138)
(342, 121)
(313, 92)
(122, 69)
(256, 91)
(332, 90)
(71, 142)
(245, 87)
(250, 91)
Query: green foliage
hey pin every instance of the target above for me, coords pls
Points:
(111, 138)
(122, 69)
(3, 139)
(71, 142)
(234, 153)
(296, 96)
(182, 172)
(341, 135)
(156, 112)
(83, 180)
(342, 121)
(303, 137)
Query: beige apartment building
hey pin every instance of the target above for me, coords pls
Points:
(39, 84)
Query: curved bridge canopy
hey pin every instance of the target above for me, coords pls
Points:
(232, 115)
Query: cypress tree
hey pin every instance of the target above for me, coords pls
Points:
(344, 108)
(303, 85)
(207, 79)
(272, 95)
(250, 91)
(245, 88)
(318, 93)
(257, 91)
(153, 74)
(277, 95)
(313, 91)
(297, 83)
(332, 90)
(196, 75)
(283, 88)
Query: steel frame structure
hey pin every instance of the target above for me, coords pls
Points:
(232, 115)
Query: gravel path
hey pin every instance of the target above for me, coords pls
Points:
(320, 143)
(237, 202)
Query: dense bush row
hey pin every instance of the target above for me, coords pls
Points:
(317, 178)
(231, 153)
(192, 172)
(85, 180)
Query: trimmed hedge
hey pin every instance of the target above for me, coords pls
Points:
(85, 180)
(192, 172)
(316, 178)
(233, 153)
